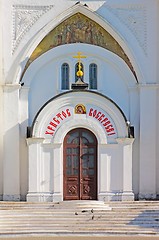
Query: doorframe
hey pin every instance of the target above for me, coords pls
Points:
(96, 163)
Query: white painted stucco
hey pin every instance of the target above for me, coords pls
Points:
(134, 25)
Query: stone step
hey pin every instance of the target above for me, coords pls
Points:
(71, 226)
(80, 217)
(79, 212)
(96, 221)
(142, 217)
(94, 224)
(107, 207)
(88, 231)
(78, 205)
(29, 234)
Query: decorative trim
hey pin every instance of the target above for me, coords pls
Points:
(125, 141)
(148, 85)
(11, 87)
(82, 91)
(24, 17)
(34, 140)
(134, 18)
(115, 116)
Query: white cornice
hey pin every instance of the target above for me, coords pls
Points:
(148, 85)
(11, 87)
(34, 140)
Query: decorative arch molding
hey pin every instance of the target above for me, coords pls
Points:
(36, 39)
(79, 28)
(103, 117)
(64, 51)
(88, 124)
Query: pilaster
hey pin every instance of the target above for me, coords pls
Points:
(104, 166)
(115, 171)
(1, 138)
(126, 145)
(34, 154)
(45, 171)
(11, 164)
(57, 173)
(23, 120)
(1, 106)
(147, 183)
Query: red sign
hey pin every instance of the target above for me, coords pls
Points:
(65, 114)
(103, 120)
(59, 117)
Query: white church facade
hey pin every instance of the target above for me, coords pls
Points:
(79, 95)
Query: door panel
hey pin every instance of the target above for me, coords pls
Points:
(80, 165)
(72, 173)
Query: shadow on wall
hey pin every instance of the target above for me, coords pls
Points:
(147, 219)
(15, 163)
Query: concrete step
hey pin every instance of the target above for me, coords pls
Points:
(80, 217)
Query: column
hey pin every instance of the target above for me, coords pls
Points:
(104, 173)
(126, 146)
(11, 165)
(34, 155)
(57, 173)
(23, 120)
(147, 183)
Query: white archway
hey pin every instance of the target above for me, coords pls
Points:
(50, 126)
(66, 102)
(25, 53)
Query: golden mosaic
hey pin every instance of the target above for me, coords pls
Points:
(79, 29)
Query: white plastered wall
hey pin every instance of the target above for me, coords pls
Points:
(157, 138)
(145, 66)
(1, 107)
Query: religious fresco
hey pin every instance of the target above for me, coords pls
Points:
(79, 29)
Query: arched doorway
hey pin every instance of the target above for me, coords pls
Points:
(80, 165)
(64, 145)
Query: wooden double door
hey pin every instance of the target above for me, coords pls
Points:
(80, 165)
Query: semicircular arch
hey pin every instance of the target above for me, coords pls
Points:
(69, 13)
(58, 116)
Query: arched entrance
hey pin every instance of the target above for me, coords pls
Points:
(65, 147)
(80, 165)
